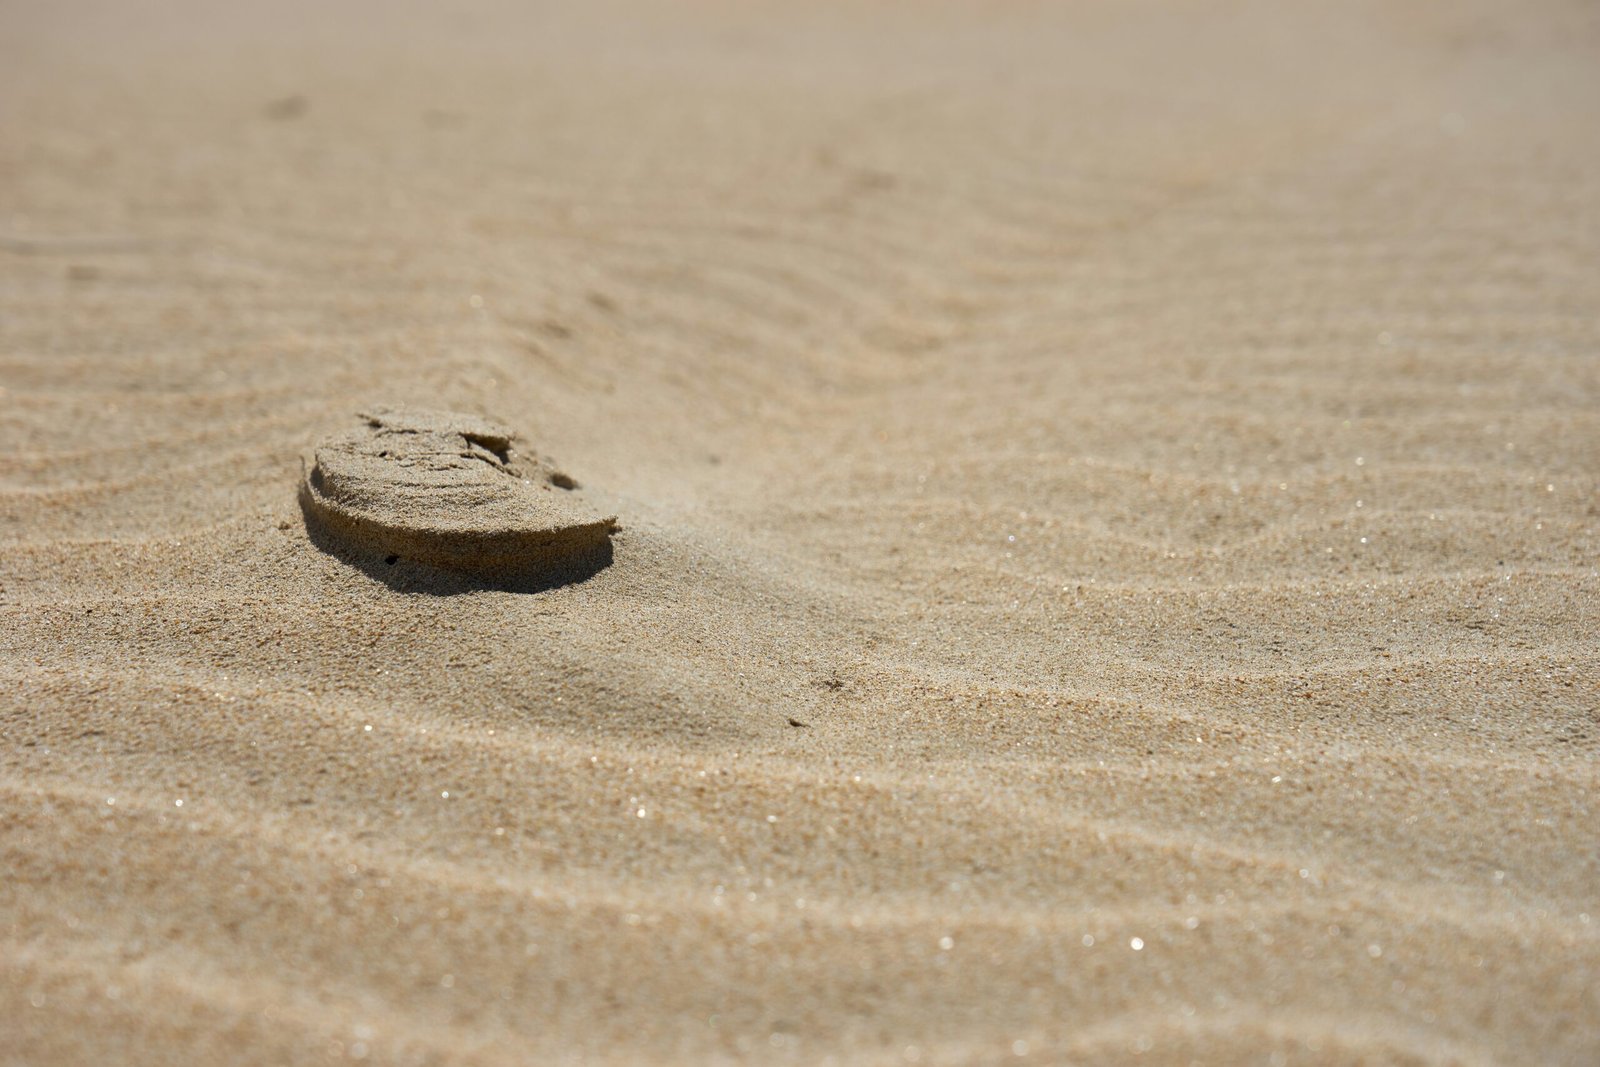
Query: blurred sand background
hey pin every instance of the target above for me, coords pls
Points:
(1152, 447)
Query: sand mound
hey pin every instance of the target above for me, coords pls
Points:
(449, 490)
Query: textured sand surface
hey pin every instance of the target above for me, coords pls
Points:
(1152, 448)
(453, 492)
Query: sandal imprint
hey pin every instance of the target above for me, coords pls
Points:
(450, 490)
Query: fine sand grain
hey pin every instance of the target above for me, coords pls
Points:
(1107, 563)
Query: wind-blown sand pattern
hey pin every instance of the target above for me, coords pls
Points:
(1108, 566)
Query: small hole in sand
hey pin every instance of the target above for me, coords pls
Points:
(391, 560)
(563, 481)
(499, 447)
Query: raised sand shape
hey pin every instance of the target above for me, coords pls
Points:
(449, 490)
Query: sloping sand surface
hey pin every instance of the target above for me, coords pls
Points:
(1107, 567)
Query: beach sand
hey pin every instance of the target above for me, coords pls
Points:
(1107, 551)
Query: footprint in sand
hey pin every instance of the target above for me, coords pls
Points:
(448, 490)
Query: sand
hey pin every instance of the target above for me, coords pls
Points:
(1107, 552)
(453, 493)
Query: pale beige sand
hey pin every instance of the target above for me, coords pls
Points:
(1151, 447)
(407, 493)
